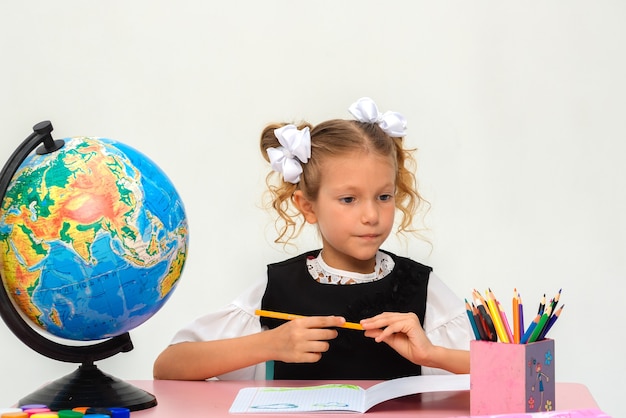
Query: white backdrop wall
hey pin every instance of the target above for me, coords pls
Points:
(517, 109)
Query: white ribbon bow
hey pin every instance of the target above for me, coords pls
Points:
(296, 148)
(392, 123)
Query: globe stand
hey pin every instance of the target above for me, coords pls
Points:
(88, 386)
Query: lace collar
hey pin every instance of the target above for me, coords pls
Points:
(323, 273)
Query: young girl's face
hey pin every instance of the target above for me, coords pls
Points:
(355, 209)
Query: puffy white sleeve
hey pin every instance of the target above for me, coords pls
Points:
(446, 323)
(234, 320)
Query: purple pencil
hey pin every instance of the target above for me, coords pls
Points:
(520, 307)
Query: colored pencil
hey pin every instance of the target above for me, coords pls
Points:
(485, 316)
(492, 323)
(479, 296)
(555, 301)
(551, 322)
(505, 323)
(479, 324)
(515, 310)
(530, 329)
(540, 325)
(521, 316)
(486, 320)
(495, 316)
(470, 316)
(289, 317)
(542, 305)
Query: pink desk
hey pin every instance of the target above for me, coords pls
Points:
(213, 399)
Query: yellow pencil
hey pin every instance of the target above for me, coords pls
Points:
(289, 317)
(497, 319)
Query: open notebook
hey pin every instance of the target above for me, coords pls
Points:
(340, 397)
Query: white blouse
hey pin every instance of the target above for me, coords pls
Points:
(446, 323)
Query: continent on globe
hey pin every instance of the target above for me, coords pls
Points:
(93, 239)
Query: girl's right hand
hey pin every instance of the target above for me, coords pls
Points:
(303, 340)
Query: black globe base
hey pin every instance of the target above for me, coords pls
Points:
(90, 387)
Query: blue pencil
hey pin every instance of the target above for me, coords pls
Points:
(530, 329)
(540, 326)
(470, 315)
(551, 322)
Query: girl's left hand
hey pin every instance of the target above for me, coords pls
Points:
(403, 332)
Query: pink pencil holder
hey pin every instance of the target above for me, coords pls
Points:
(511, 378)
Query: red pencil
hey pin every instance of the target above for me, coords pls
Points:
(479, 324)
(486, 321)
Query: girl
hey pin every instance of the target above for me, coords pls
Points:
(347, 177)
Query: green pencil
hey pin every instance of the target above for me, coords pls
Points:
(542, 323)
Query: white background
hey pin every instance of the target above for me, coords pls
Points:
(517, 108)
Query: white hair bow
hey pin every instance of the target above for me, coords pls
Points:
(295, 149)
(392, 123)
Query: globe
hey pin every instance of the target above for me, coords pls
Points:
(93, 241)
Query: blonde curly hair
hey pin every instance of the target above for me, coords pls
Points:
(334, 138)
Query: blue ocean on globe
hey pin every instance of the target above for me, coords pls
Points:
(93, 237)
